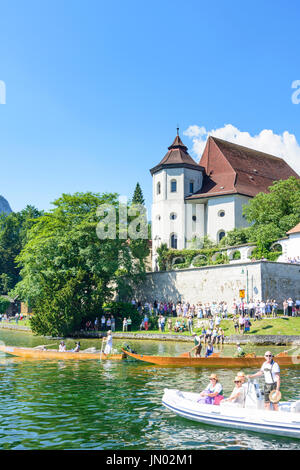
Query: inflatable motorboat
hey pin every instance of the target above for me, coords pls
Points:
(251, 417)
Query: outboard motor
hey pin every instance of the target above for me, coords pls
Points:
(254, 398)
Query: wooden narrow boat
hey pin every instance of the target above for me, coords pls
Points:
(54, 354)
(215, 360)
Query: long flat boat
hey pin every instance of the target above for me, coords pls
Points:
(54, 354)
(215, 360)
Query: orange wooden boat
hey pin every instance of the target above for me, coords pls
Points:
(215, 360)
(32, 353)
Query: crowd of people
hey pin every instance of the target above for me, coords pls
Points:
(295, 260)
(255, 309)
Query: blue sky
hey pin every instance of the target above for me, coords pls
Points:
(95, 90)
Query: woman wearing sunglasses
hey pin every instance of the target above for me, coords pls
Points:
(237, 396)
(271, 371)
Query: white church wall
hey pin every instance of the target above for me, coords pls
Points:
(194, 221)
(194, 176)
(215, 222)
(290, 247)
(239, 202)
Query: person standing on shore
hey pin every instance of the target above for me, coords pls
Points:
(271, 371)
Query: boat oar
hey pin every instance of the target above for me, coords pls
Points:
(101, 349)
(43, 346)
(284, 353)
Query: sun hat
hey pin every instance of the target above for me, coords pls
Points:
(275, 396)
(241, 374)
(213, 376)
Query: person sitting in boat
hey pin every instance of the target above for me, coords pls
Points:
(239, 352)
(242, 376)
(271, 371)
(213, 393)
(62, 347)
(108, 346)
(237, 396)
(77, 347)
(209, 350)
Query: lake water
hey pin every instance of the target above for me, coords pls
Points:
(113, 405)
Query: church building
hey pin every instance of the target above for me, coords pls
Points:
(193, 199)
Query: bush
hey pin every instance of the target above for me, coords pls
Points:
(4, 304)
(121, 310)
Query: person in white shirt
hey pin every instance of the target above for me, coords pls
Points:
(62, 347)
(271, 371)
(108, 346)
(237, 396)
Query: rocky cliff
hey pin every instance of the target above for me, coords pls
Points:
(4, 206)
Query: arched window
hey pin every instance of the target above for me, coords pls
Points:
(158, 188)
(173, 186)
(221, 235)
(174, 241)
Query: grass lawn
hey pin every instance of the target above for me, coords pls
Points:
(267, 326)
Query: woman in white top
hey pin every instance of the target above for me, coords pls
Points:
(62, 347)
(213, 389)
(237, 396)
(108, 339)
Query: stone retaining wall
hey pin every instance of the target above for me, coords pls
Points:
(260, 280)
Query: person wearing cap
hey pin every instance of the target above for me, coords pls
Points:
(108, 346)
(213, 392)
(271, 371)
(237, 396)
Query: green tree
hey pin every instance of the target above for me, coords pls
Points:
(140, 246)
(237, 236)
(279, 208)
(270, 214)
(138, 197)
(68, 272)
(13, 237)
(162, 250)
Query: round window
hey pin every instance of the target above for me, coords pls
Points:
(221, 213)
(194, 218)
(173, 216)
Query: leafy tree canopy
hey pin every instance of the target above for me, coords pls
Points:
(13, 237)
(67, 270)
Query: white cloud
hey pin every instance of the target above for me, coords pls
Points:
(283, 145)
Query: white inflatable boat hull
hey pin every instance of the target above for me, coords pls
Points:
(282, 423)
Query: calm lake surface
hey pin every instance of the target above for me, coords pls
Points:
(110, 405)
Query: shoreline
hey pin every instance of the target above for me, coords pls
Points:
(275, 340)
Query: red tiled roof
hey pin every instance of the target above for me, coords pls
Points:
(234, 169)
(295, 229)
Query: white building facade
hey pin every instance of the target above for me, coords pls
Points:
(192, 200)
